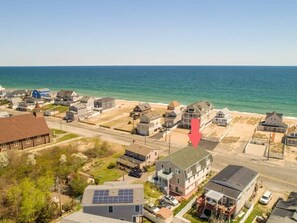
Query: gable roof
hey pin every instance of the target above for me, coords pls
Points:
(113, 190)
(43, 90)
(144, 106)
(200, 107)
(269, 114)
(173, 104)
(151, 115)
(139, 149)
(225, 111)
(232, 180)
(187, 157)
(106, 99)
(20, 127)
(65, 93)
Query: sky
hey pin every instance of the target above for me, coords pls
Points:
(148, 32)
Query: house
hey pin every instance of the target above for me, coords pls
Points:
(138, 156)
(23, 131)
(117, 200)
(103, 104)
(66, 97)
(17, 94)
(142, 108)
(149, 123)
(24, 106)
(14, 103)
(273, 123)
(173, 114)
(196, 110)
(226, 193)
(183, 171)
(291, 136)
(41, 93)
(88, 101)
(80, 217)
(284, 211)
(223, 117)
(76, 112)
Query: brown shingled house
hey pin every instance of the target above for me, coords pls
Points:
(23, 131)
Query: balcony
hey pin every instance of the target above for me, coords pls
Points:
(165, 175)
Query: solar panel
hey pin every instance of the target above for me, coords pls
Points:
(102, 197)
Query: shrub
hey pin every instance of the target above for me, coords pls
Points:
(111, 165)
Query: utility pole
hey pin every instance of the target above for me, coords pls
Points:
(145, 139)
(169, 144)
(268, 147)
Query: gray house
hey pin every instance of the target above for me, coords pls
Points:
(149, 123)
(76, 112)
(142, 108)
(173, 114)
(88, 101)
(273, 123)
(103, 104)
(227, 192)
(80, 217)
(183, 171)
(196, 110)
(291, 136)
(284, 211)
(116, 200)
(223, 117)
(66, 97)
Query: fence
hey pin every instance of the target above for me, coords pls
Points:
(247, 214)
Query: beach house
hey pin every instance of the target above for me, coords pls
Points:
(149, 123)
(183, 171)
(88, 101)
(142, 108)
(103, 104)
(76, 112)
(117, 200)
(223, 117)
(138, 156)
(173, 114)
(17, 94)
(23, 131)
(196, 110)
(41, 93)
(273, 123)
(226, 193)
(2, 88)
(66, 97)
(14, 103)
(291, 136)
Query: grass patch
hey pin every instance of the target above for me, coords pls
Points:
(59, 108)
(150, 190)
(192, 217)
(259, 135)
(102, 173)
(230, 139)
(67, 137)
(58, 131)
(258, 210)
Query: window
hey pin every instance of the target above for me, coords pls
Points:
(110, 209)
(28, 141)
(15, 144)
(177, 181)
(155, 153)
(38, 138)
(177, 171)
(162, 166)
(134, 219)
(137, 208)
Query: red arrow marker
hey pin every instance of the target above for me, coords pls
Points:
(195, 134)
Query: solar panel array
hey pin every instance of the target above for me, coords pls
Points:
(102, 197)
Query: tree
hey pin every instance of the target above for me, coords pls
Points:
(77, 186)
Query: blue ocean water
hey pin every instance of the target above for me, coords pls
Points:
(256, 89)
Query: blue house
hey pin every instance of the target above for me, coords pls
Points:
(39, 93)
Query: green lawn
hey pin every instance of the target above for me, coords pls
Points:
(150, 190)
(258, 210)
(102, 172)
(58, 131)
(59, 108)
(191, 217)
(67, 137)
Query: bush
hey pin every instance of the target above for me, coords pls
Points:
(77, 186)
(111, 165)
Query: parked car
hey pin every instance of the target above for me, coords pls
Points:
(135, 173)
(151, 208)
(171, 200)
(266, 197)
(164, 204)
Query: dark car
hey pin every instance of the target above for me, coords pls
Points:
(135, 173)
(163, 203)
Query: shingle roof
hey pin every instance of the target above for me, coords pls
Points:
(104, 99)
(138, 193)
(144, 106)
(152, 115)
(232, 180)
(269, 114)
(173, 104)
(80, 217)
(200, 107)
(21, 127)
(187, 157)
(139, 149)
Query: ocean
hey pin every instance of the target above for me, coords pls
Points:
(255, 89)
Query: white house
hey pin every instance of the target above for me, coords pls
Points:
(149, 123)
(223, 117)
